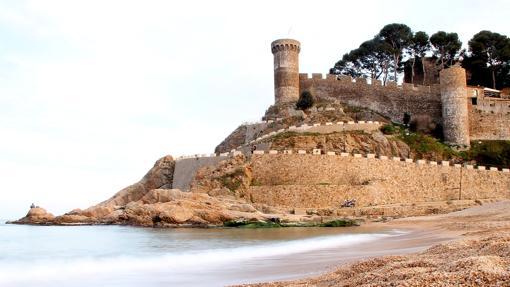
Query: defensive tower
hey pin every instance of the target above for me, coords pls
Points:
(286, 70)
(454, 106)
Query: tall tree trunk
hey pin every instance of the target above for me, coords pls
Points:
(412, 70)
(423, 69)
(385, 77)
(442, 59)
(396, 65)
(493, 78)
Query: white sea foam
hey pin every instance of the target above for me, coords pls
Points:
(27, 272)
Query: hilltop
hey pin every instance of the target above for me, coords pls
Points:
(330, 149)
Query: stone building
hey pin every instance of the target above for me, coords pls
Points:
(465, 113)
(426, 72)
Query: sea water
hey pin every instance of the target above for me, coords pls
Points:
(133, 256)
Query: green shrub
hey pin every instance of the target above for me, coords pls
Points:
(233, 180)
(305, 101)
(491, 153)
(388, 129)
(425, 146)
(251, 224)
(339, 223)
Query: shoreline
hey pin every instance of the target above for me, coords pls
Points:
(244, 256)
(413, 239)
(477, 253)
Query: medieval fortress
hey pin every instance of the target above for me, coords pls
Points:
(466, 113)
(325, 176)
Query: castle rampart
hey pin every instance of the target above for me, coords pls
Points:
(391, 100)
(464, 112)
(324, 181)
(488, 125)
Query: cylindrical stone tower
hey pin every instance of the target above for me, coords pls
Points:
(455, 106)
(286, 70)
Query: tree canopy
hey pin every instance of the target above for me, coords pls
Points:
(382, 57)
(490, 54)
(417, 49)
(398, 37)
(445, 46)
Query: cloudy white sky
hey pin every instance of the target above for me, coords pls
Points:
(93, 92)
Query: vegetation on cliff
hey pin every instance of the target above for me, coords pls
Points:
(305, 101)
(425, 146)
(490, 153)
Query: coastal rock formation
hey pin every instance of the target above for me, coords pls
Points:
(152, 202)
(157, 208)
(159, 176)
(36, 215)
(235, 139)
(230, 177)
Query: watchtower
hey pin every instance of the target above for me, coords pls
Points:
(286, 70)
(454, 106)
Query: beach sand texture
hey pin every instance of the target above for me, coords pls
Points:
(479, 257)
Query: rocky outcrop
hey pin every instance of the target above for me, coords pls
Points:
(287, 115)
(151, 202)
(159, 176)
(235, 139)
(36, 215)
(229, 178)
(158, 208)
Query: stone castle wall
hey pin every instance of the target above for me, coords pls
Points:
(324, 181)
(493, 105)
(391, 100)
(186, 168)
(489, 117)
(488, 125)
(445, 103)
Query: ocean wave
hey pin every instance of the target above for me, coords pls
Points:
(26, 272)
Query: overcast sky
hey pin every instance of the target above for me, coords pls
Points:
(92, 93)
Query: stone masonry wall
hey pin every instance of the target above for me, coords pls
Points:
(493, 105)
(488, 125)
(390, 100)
(186, 169)
(320, 181)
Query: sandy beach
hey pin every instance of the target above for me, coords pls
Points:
(477, 253)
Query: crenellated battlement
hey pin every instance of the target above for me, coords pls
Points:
(357, 82)
(445, 104)
(186, 167)
(391, 100)
(285, 44)
(326, 179)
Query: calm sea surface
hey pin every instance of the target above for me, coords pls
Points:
(130, 256)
